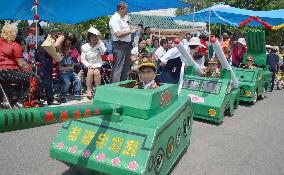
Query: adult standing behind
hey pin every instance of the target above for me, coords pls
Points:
(32, 39)
(46, 61)
(108, 43)
(162, 50)
(226, 45)
(172, 61)
(239, 49)
(91, 58)
(121, 35)
(185, 41)
(272, 61)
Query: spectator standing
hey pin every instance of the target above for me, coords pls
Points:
(108, 43)
(272, 61)
(162, 50)
(47, 65)
(186, 40)
(239, 49)
(226, 45)
(121, 35)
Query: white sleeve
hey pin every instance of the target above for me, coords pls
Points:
(114, 25)
(102, 48)
(134, 51)
(83, 57)
(170, 54)
(158, 53)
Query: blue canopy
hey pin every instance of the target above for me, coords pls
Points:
(224, 14)
(75, 11)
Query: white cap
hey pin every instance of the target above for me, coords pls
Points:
(195, 41)
(242, 41)
(94, 31)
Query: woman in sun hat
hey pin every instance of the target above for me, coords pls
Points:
(238, 51)
(91, 58)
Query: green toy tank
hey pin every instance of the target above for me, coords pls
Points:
(254, 83)
(211, 97)
(124, 131)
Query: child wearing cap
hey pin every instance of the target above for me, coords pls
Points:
(147, 73)
(250, 63)
(212, 70)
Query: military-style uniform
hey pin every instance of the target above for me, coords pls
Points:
(147, 61)
(150, 85)
(249, 58)
(249, 67)
(214, 74)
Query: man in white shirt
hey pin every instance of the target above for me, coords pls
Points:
(162, 50)
(121, 35)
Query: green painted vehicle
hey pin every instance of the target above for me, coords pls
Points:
(124, 131)
(254, 83)
(211, 98)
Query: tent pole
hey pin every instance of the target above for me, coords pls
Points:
(220, 31)
(47, 23)
(193, 19)
(209, 31)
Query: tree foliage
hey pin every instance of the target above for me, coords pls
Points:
(81, 29)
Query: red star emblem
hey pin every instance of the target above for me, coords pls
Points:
(49, 116)
(97, 111)
(77, 114)
(88, 112)
(64, 115)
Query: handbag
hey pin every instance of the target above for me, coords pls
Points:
(48, 46)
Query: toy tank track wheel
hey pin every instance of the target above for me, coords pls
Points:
(159, 160)
(263, 94)
(254, 98)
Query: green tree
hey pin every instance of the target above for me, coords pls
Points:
(79, 29)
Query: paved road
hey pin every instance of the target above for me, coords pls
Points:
(249, 143)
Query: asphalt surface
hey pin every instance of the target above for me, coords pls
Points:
(249, 143)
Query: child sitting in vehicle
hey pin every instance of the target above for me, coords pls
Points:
(213, 69)
(147, 72)
(250, 63)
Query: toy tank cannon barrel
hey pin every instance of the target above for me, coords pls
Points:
(188, 57)
(224, 63)
(11, 120)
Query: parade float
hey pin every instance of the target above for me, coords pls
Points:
(256, 82)
(124, 131)
(211, 98)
